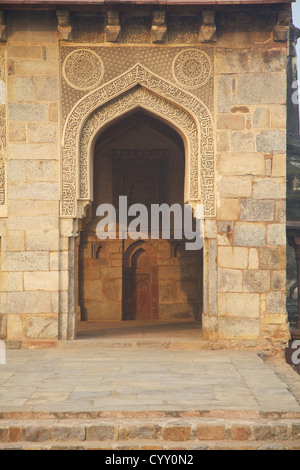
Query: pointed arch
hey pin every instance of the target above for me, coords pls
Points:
(138, 87)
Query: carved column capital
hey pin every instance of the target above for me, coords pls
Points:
(208, 28)
(159, 27)
(2, 27)
(64, 26)
(113, 28)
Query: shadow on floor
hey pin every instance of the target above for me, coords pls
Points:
(144, 329)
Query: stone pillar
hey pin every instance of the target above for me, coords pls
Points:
(210, 284)
(68, 279)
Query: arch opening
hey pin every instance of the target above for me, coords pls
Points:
(153, 280)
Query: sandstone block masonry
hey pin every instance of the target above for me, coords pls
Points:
(244, 248)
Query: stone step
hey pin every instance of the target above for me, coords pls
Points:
(139, 343)
(121, 433)
(159, 446)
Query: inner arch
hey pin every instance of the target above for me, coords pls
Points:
(138, 151)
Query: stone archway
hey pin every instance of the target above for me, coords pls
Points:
(136, 89)
(140, 283)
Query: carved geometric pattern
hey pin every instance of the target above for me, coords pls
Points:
(117, 60)
(2, 127)
(83, 69)
(151, 92)
(136, 30)
(192, 68)
(183, 29)
(88, 29)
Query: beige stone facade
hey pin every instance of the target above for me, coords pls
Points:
(207, 88)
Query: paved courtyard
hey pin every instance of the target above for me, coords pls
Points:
(145, 380)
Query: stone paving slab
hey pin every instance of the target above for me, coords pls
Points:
(58, 380)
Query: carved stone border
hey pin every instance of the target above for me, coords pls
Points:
(138, 87)
(2, 127)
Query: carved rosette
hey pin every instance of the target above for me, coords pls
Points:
(192, 68)
(83, 69)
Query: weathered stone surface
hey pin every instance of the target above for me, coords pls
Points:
(41, 281)
(242, 164)
(278, 280)
(29, 67)
(22, 89)
(41, 327)
(42, 191)
(261, 118)
(230, 60)
(214, 432)
(27, 112)
(276, 302)
(228, 208)
(271, 141)
(42, 133)
(280, 211)
(253, 258)
(100, 432)
(28, 261)
(17, 131)
(235, 186)
(273, 61)
(257, 210)
(28, 302)
(278, 116)
(254, 61)
(224, 94)
(238, 328)
(47, 88)
(176, 433)
(242, 142)
(16, 170)
(36, 151)
(16, 240)
(279, 165)
(25, 52)
(267, 188)
(230, 121)
(276, 234)
(229, 280)
(42, 170)
(256, 281)
(249, 234)
(233, 257)
(261, 88)
(272, 257)
(239, 305)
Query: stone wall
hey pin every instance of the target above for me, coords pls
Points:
(30, 271)
(251, 182)
(244, 258)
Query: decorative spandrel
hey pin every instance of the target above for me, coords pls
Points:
(156, 79)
